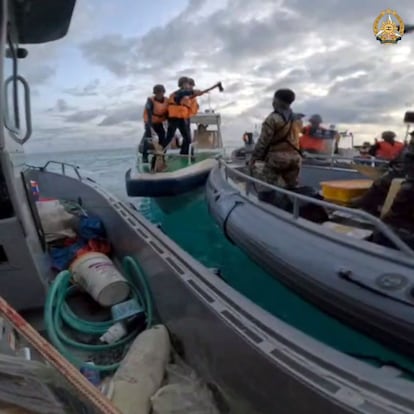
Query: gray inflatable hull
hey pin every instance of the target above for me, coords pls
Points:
(348, 278)
(254, 362)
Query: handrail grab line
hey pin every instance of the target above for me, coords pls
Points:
(63, 166)
(378, 224)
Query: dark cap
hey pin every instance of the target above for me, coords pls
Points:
(191, 81)
(285, 95)
(388, 135)
(158, 89)
(182, 81)
(316, 118)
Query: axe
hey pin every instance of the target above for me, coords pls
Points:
(217, 85)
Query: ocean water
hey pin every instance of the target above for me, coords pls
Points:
(195, 231)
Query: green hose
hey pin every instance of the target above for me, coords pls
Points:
(57, 313)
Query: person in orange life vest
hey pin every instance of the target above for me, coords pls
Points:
(193, 102)
(179, 113)
(314, 137)
(388, 148)
(155, 114)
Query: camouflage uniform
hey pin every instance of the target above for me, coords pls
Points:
(276, 147)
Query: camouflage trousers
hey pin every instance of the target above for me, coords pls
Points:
(282, 169)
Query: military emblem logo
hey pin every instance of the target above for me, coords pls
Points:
(388, 27)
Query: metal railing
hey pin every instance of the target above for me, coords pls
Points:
(327, 160)
(332, 159)
(63, 166)
(378, 225)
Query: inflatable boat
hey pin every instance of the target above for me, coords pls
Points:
(183, 173)
(316, 168)
(332, 261)
(231, 342)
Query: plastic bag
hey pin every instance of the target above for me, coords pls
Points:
(57, 223)
(183, 393)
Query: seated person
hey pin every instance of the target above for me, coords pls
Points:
(401, 211)
(388, 148)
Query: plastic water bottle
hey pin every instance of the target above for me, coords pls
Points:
(114, 333)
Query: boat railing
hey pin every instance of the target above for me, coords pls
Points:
(296, 198)
(329, 160)
(332, 159)
(63, 167)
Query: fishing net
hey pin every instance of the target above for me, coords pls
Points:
(37, 388)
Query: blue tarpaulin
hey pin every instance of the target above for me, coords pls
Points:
(90, 228)
(63, 256)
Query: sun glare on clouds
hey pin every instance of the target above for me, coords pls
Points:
(91, 86)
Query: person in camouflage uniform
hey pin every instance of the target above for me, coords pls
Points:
(277, 145)
(401, 213)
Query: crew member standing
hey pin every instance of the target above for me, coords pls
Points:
(155, 114)
(179, 113)
(276, 143)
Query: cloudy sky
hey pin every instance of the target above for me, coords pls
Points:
(88, 89)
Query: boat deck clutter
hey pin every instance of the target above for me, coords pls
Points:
(99, 315)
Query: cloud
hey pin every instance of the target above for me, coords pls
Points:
(90, 89)
(325, 50)
(61, 106)
(83, 116)
(40, 74)
(125, 114)
(112, 51)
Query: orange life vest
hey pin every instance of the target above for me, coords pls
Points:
(194, 106)
(181, 110)
(308, 142)
(159, 111)
(389, 151)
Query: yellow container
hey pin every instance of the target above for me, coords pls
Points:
(343, 191)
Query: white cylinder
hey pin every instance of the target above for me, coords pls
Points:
(96, 273)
